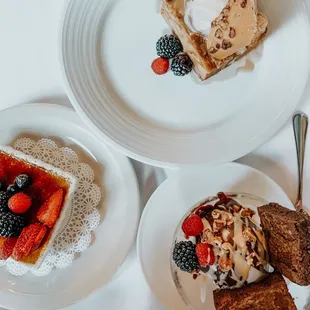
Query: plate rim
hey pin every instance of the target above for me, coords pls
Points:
(172, 179)
(241, 151)
(130, 183)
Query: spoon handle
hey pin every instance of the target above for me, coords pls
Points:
(300, 124)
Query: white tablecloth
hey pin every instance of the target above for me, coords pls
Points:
(30, 73)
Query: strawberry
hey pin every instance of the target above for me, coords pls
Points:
(205, 254)
(160, 65)
(192, 226)
(49, 212)
(19, 203)
(7, 247)
(2, 174)
(39, 238)
(26, 241)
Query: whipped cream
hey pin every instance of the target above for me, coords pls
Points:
(199, 14)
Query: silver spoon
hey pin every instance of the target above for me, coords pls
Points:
(300, 124)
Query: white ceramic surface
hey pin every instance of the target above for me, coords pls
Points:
(119, 210)
(169, 203)
(106, 51)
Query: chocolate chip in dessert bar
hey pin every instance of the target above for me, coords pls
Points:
(268, 294)
(288, 240)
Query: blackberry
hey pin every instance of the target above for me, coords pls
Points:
(184, 255)
(23, 181)
(168, 46)
(11, 225)
(12, 189)
(4, 198)
(181, 65)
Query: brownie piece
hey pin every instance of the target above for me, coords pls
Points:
(268, 294)
(288, 240)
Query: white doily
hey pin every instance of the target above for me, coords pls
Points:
(76, 236)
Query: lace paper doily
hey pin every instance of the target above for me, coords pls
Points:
(76, 235)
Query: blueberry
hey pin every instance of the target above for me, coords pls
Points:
(23, 181)
(12, 189)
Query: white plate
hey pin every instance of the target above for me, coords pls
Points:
(119, 210)
(107, 47)
(168, 205)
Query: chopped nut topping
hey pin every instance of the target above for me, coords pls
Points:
(219, 34)
(249, 235)
(244, 3)
(216, 241)
(232, 32)
(226, 10)
(225, 264)
(216, 214)
(247, 213)
(213, 24)
(218, 225)
(226, 234)
(227, 247)
(212, 50)
(226, 45)
(236, 208)
(223, 24)
(218, 46)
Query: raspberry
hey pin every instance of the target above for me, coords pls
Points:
(19, 203)
(160, 66)
(205, 254)
(192, 226)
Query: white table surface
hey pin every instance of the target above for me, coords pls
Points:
(30, 73)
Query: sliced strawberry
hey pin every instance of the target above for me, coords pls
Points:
(192, 226)
(33, 231)
(7, 247)
(39, 238)
(26, 241)
(49, 212)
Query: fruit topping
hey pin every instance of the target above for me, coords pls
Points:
(23, 181)
(49, 212)
(160, 66)
(205, 254)
(168, 46)
(184, 255)
(7, 247)
(39, 238)
(192, 226)
(19, 203)
(12, 189)
(11, 225)
(27, 241)
(181, 65)
(4, 198)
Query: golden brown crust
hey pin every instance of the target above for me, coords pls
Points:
(269, 294)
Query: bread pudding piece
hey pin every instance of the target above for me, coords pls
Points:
(269, 294)
(288, 240)
(235, 32)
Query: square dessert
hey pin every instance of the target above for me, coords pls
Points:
(34, 200)
(288, 239)
(269, 294)
(229, 35)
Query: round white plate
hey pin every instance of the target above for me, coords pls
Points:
(119, 210)
(173, 199)
(107, 47)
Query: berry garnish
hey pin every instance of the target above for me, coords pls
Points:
(184, 256)
(19, 203)
(12, 189)
(192, 226)
(205, 254)
(181, 65)
(39, 238)
(160, 66)
(49, 212)
(23, 181)
(4, 198)
(7, 247)
(11, 225)
(168, 46)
